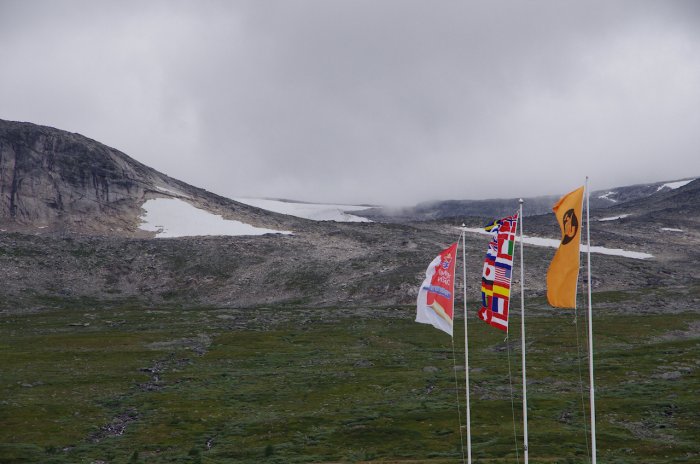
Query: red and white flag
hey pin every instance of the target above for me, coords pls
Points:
(436, 293)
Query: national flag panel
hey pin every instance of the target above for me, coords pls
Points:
(499, 322)
(504, 260)
(503, 274)
(502, 291)
(489, 271)
(505, 248)
(494, 319)
(492, 252)
(497, 305)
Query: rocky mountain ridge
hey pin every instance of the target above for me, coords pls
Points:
(53, 181)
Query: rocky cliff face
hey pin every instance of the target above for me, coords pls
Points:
(61, 182)
(51, 178)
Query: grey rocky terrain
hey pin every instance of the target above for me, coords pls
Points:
(70, 210)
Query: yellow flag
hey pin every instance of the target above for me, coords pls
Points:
(562, 275)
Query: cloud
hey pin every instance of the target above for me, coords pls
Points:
(362, 101)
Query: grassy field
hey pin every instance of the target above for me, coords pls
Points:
(122, 383)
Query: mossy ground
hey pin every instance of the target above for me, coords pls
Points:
(286, 385)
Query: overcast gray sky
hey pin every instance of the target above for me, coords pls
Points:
(378, 101)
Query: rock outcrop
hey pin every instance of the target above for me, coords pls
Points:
(60, 180)
(53, 181)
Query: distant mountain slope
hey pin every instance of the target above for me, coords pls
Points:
(439, 210)
(678, 207)
(56, 181)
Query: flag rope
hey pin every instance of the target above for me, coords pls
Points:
(512, 403)
(580, 377)
(579, 277)
(591, 386)
(459, 405)
(466, 346)
(526, 452)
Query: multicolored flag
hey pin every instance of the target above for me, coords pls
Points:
(562, 275)
(497, 273)
(436, 293)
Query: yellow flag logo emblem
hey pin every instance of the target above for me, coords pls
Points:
(569, 227)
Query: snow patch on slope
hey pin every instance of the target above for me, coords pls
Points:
(674, 185)
(606, 196)
(170, 217)
(554, 243)
(313, 211)
(613, 218)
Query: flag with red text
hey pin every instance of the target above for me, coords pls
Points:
(436, 294)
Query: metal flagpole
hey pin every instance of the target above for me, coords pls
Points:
(466, 344)
(590, 328)
(522, 329)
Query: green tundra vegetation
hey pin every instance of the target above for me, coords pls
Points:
(103, 382)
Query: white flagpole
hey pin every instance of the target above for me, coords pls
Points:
(466, 344)
(522, 329)
(590, 328)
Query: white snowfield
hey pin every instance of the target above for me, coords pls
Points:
(675, 185)
(607, 196)
(170, 217)
(313, 211)
(613, 218)
(554, 243)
